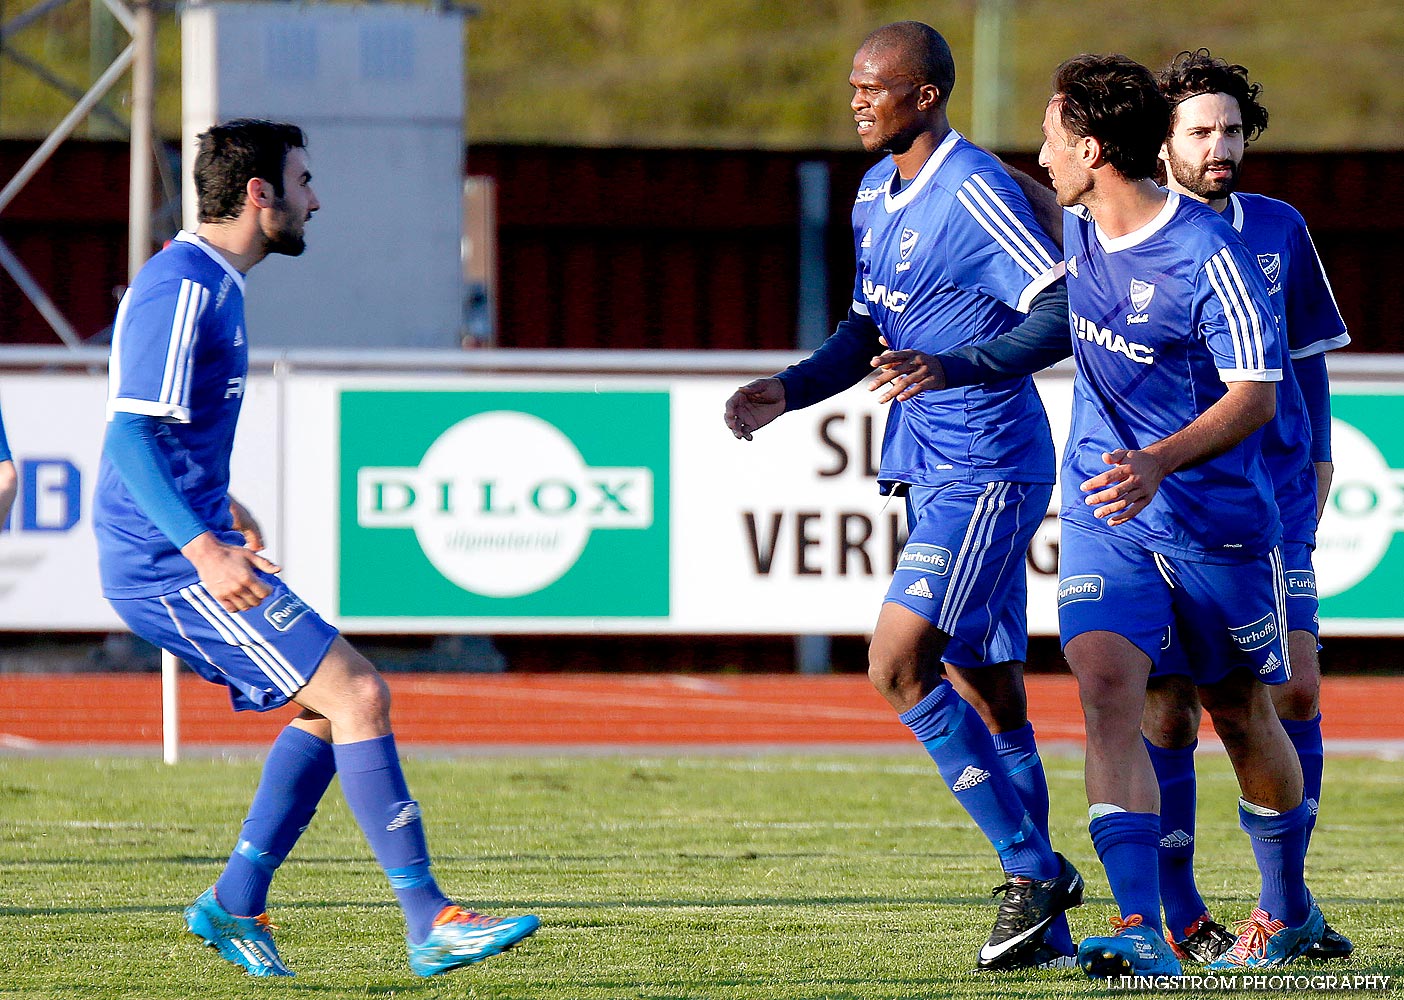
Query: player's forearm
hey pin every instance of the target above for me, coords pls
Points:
(1325, 472)
(1243, 409)
(1316, 394)
(131, 447)
(838, 363)
(1042, 339)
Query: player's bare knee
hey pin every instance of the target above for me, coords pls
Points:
(896, 676)
(887, 675)
(1171, 725)
(1297, 702)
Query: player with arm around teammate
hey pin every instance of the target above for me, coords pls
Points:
(1215, 112)
(948, 254)
(179, 563)
(1168, 513)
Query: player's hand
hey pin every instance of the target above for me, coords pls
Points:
(245, 524)
(906, 374)
(228, 572)
(1126, 488)
(754, 405)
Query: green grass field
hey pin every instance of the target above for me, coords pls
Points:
(656, 877)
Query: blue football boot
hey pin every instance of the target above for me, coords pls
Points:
(1264, 943)
(1132, 950)
(461, 937)
(245, 941)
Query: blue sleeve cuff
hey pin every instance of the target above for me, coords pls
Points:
(132, 448)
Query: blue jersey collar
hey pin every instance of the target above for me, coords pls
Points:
(1139, 236)
(903, 198)
(1235, 214)
(214, 255)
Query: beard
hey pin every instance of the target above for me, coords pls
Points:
(1193, 179)
(895, 142)
(283, 237)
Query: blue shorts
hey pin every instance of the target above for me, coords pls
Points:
(963, 566)
(1225, 617)
(264, 655)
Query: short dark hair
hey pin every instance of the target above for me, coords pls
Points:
(1191, 74)
(1116, 101)
(235, 152)
(925, 53)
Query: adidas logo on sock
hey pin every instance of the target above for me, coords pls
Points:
(920, 589)
(1177, 839)
(969, 778)
(408, 813)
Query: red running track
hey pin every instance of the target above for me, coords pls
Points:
(585, 710)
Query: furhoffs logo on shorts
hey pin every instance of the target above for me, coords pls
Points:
(285, 611)
(1087, 587)
(1256, 635)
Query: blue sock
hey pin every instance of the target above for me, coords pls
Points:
(1279, 844)
(1019, 753)
(959, 742)
(375, 789)
(1306, 737)
(296, 774)
(1174, 771)
(1127, 843)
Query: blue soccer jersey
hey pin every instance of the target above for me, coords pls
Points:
(1161, 319)
(1310, 323)
(952, 258)
(5, 455)
(179, 354)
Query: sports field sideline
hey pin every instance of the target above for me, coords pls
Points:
(515, 712)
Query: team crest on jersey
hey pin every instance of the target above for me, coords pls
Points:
(867, 240)
(1072, 266)
(908, 243)
(1141, 294)
(1271, 263)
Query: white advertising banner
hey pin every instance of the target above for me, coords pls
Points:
(48, 556)
(557, 503)
(602, 505)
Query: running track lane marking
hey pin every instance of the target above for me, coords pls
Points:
(579, 710)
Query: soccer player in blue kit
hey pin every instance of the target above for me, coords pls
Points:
(948, 254)
(1215, 112)
(179, 563)
(1177, 359)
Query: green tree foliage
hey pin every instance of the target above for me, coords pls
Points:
(762, 73)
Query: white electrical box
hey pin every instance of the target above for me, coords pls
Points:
(379, 92)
